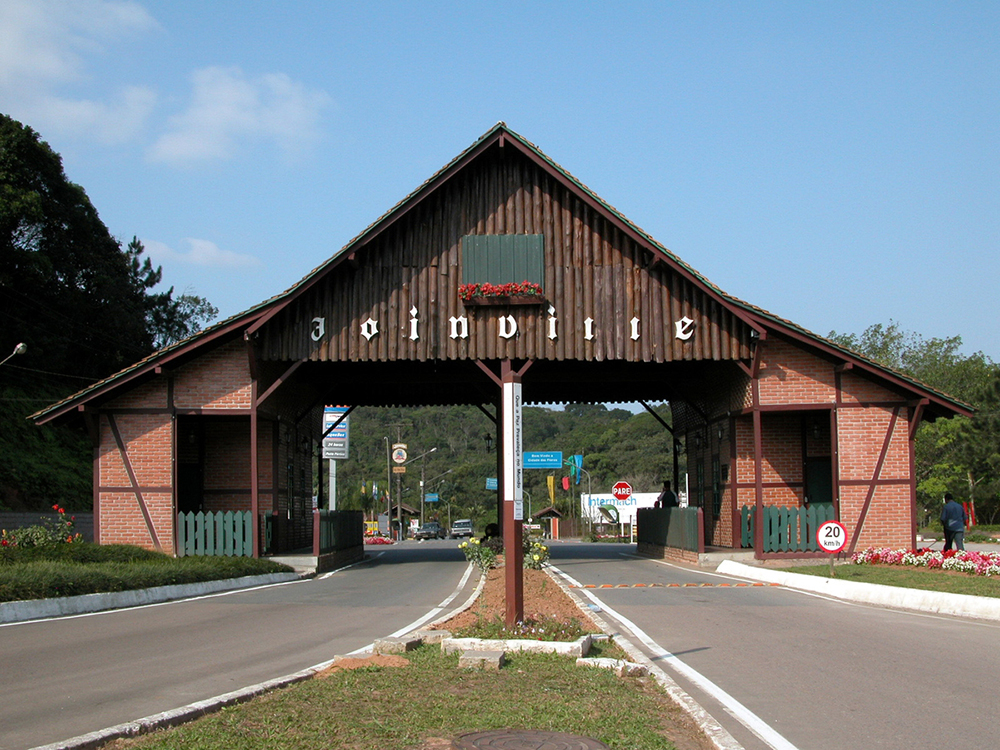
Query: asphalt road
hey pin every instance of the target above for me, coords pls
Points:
(777, 668)
(800, 670)
(65, 677)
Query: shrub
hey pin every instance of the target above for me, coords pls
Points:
(479, 553)
(49, 532)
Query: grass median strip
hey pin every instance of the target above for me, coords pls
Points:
(429, 701)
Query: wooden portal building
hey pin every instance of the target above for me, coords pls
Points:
(769, 413)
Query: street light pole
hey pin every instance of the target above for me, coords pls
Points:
(399, 505)
(19, 349)
(589, 493)
(430, 482)
(388, 490)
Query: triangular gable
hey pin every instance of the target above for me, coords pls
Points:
(285, 340)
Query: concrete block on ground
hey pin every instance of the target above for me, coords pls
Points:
(576, 648)
(434, 636)
(396, 645)
(620, 667)
(491, 660)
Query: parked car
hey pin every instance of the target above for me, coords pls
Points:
(430, 530)
(461, 527)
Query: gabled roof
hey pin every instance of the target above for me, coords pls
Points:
(247, 322)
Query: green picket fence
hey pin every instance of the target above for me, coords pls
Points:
(786, 529)
(228, 534)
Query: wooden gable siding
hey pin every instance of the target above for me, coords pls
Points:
(593, 269)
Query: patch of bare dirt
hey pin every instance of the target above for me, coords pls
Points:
(542, 599)
(355, 662)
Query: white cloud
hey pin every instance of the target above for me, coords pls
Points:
(229, 109)
(200, 253)
(44, 47)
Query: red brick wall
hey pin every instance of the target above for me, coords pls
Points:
(789, 375)
(147, 440)
(862, 434)
(792, 376)
(219, 379)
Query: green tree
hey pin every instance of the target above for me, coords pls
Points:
(957, 455)
(168, 319)
(84, 306)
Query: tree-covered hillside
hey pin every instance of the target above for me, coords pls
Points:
(615, 445)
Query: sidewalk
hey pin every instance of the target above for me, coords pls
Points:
(956, 605)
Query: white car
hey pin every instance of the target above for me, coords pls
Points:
(461, 527)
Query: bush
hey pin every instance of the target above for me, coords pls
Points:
(86, 568)
(536, 554)
(48, 533)
(481, 554)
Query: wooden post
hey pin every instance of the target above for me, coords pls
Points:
(513, 514)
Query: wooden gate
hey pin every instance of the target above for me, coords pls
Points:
(786, 529)
(227, 534)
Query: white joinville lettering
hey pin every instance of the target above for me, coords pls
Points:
(459, 327)
(684, 328)
(318, 329)
(413, 324)
(552, 323)
(369, 328)
(508, 326)
(588, 329)
(635, 329)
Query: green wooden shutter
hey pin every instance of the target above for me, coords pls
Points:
(503, 258)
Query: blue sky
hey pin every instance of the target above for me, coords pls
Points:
(836, 163)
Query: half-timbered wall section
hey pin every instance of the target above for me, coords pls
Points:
(807, 404)
(180, 443)
(606, 296)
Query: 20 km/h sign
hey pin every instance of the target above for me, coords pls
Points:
(831, 537)
(622, 491)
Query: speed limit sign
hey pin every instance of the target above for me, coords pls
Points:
(831, 536)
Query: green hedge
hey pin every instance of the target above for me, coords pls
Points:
(84, 568)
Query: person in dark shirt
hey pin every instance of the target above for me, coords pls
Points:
(953, 520)
(667, 498)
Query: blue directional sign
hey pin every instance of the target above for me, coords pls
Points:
(543, 459)
(433, 498)
(491, 483)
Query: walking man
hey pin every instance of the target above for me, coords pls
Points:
(953, 520)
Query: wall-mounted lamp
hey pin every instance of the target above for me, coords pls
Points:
(488, 438)
(721, 432)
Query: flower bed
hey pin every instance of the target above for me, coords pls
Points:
(968, 561)
(378, 540)
(514, 293)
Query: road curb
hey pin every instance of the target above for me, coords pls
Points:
(40, 609)
(936, 602)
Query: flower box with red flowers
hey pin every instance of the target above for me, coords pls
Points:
(513, 293)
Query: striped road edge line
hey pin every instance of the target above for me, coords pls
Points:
(674, 585)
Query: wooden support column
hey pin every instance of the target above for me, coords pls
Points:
(254, 474)
(513, 496)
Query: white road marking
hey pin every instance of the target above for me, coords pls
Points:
(733, 707)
